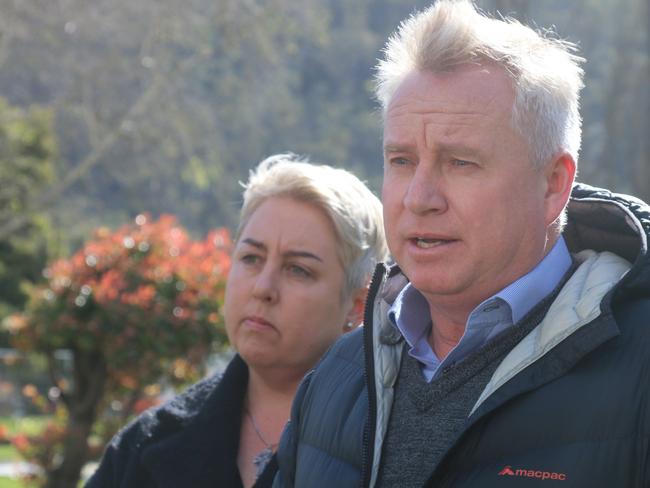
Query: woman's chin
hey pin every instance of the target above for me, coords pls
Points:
(260, 359)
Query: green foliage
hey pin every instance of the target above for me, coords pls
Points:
(27, 152)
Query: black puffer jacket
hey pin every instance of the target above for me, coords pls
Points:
(569, 406)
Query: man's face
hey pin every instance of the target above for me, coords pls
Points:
(464, 209)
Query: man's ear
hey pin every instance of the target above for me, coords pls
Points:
(355, 315)
(559, 176)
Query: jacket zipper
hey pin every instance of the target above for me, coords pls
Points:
(369, 375)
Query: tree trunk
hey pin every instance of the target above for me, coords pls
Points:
(82, 405)
(75, 449)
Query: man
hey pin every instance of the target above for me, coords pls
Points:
(509, 346)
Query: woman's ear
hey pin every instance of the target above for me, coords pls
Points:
(355, 315)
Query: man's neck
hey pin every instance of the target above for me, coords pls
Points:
(448, 327)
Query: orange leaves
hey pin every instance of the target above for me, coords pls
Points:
(21, 442)
(142, 296)
(147, 287)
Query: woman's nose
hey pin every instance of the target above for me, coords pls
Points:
(265, 287)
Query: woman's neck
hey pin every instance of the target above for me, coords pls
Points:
(270, 391)
(266, 410)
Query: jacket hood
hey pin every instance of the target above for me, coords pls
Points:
(604, 221)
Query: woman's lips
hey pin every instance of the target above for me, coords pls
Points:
(257, 323)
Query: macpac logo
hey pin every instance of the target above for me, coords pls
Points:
(532, 473)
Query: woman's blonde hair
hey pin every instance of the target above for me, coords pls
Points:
(351, 207)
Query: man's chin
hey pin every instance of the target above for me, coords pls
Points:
(435, 284)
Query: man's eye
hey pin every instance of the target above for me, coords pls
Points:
(461, 162)
(399, 161)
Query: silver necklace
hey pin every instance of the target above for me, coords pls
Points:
(264, 456)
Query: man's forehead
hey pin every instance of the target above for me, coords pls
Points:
(457, 107)
(475, 89)
(458, 128)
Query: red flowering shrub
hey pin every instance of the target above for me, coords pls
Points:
(133, 306)
(4, 434)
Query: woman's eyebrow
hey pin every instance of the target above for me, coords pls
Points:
(290, 253)
(254, 243)
(302, 254)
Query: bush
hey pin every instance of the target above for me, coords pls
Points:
(133, 307)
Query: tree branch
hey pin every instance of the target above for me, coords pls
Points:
(15, 223)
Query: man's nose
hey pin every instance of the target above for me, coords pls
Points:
(425, 192)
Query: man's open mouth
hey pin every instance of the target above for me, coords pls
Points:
(429, 243)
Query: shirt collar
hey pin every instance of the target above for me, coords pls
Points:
(410, 314)
(526, 292)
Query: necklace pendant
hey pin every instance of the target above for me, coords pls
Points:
(262, 459)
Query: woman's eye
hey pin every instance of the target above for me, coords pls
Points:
(299, 271)
(249, 259)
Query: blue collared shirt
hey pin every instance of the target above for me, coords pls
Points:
(410, 312)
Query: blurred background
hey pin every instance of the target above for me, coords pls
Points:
(110, 110)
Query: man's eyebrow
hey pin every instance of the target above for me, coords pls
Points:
(451, 147)
(291, 253)
(460, 148)
(392, 148)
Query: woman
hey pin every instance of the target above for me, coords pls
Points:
(308, 239)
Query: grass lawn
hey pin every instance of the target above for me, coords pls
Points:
(8, 453)
(10, 483)
(13, 483)
(27, 425)
(15, 425)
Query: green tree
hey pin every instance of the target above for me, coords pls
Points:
(27, 152)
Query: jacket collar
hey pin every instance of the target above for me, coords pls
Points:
(199, 437)
(577, 305)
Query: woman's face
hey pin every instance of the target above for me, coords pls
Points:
(283, 305)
